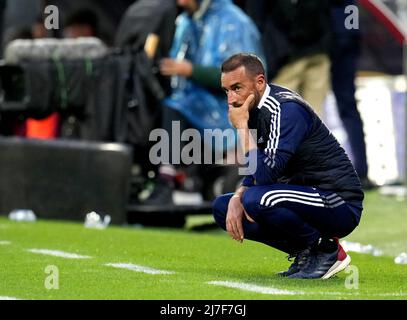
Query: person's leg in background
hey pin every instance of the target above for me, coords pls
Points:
(165, 182)
(290, 75)
(308, 76)
(316, 81)
(343, 70)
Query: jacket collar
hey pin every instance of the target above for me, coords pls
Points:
(264, 97)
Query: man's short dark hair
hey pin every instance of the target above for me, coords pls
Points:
(251, 62)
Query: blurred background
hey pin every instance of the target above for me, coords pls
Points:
(83, 83)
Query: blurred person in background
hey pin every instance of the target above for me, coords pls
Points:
(109, 14)
(82, 22)
(207, 32)
(344, 55)
(145, 34)
(149, 25)
(296, 37)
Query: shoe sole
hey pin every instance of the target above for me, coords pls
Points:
(337, 267)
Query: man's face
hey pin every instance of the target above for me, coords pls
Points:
(189, 6)
(238, 85)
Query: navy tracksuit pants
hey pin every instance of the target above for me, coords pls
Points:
(291, 218)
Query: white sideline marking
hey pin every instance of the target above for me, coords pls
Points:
(57, 253)
(388, 294)
(4, 242)
(254, 288)
(275, 291)
(358, 294)
(8, 298)
(138, 268)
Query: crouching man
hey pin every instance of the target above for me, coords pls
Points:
(304, 194)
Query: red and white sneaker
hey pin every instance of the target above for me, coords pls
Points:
(342, 261)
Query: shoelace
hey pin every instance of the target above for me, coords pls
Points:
(291, 256)
(301, 257)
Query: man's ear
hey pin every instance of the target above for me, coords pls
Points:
(260, 80)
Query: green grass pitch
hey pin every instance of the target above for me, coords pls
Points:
(196, 258)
